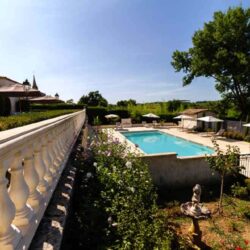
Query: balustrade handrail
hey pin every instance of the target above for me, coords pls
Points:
(21, 138)
(34, 161)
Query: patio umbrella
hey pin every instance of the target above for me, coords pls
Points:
(209, 119)
(183, 117)
(151, 115)
(111, 116)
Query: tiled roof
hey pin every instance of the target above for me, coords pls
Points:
(193, 111)
(11, 88)
(5, 81)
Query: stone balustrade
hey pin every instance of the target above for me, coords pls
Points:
(30, 166)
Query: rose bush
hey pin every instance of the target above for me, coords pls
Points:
(128, 196)
(117, 200)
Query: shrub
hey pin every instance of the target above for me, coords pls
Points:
(234, 135)
(247, 182)
(239, 191)
(93, 112)
(127, 198)
(22, 119)
(123, 113)
(247, 138)
(55, 106)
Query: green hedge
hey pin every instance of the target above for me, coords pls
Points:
(100, 112)
(93, 112)
(22, 119)
(59, 106)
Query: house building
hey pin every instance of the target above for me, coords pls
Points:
(11, 92)
(194, 114)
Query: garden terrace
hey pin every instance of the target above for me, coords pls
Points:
(31, 162)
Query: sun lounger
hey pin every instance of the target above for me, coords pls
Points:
(220, 132)
(118, 126)
(126, 123)
(155, 124)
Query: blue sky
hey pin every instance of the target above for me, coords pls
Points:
(122, 48)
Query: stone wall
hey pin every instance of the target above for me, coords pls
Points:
(169, 171)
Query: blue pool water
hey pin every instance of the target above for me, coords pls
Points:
(155, 142)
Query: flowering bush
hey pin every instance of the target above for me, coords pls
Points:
(116, 201)
(128, 196)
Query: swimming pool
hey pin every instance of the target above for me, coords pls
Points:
(155, 142)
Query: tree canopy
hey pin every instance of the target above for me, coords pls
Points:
(125, 103)
(221, 50)
(94, 98)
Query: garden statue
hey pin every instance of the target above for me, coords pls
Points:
(196, 211)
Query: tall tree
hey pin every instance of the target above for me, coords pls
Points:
(93, 98)
(221, 50)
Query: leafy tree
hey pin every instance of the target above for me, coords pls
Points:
(224, 163)
(125, 103)
(221, 50)
(174, 105)
(94, 98)
(70, 101)
(122, 103)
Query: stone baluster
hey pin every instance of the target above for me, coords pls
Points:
(58, 160)
(59, 135)
(67, 144)
(60, 143)
(19, 191)
(9, 234)
(32, 178)
(51, 155)
(64, 141)
(40, 168)
(46, 160)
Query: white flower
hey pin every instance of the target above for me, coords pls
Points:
(132, 189)
(110, 220)
(95, 164)
(128, 164)
(89, 175)
(114, 224)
